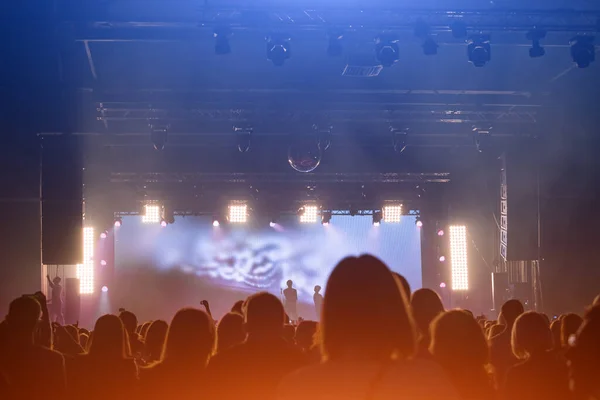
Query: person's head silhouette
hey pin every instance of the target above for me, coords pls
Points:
(365, 286)
(317, 289)
(511, 311)
(403, 284)
(230, 331)
(583, 355)
(530, 335)
(305, 334)
(569, 326)
(289, 283)
(56, 280)
(238, 307)
(457, 339)
(155, 340)
(190, 338)
(426, 305)
(24, 314)
(264, 315)
(109, 340)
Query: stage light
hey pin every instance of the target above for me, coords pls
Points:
(103, 235)
(392, 213)
(440, 232)
(443, 285)
(163, 223)
(309, 214)
(215, 223)
(377, 217)
(118, 222)
(325, 217)
(238, 213)
(104, 289)
(419, 224)
(536, 49)
(85, 271)
(158, 136)
(458, 257)
(103, 263)
(479, 50)
(387, 50)
(278, 49)
(151, 214)
(430, 47)
(583, 50)
(272, 224)
(442, 258)
(222, 35)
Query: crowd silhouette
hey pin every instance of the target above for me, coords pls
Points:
(387, 343)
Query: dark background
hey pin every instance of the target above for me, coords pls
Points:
(47, 85)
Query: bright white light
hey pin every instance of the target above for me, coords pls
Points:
(103, 263)
(310, 215)
(216, 223)
(163, 223)
(443, 285)
(104, 289)
(458, 256)
(419, 224)
(118, 223)
(376, 223)
(85, 271)
(151, 214)
(440, 232)
(238, 213)
(392, 213)
(103, 235)
(325, 223)
(442, 258)
(272, 224)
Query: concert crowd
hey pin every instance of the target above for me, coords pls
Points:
(386, 343)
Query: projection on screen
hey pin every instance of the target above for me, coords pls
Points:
(161, 269)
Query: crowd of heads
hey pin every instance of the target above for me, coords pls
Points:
(375, 340)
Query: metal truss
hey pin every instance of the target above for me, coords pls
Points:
(275, 178)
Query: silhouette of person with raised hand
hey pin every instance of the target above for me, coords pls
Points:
(30, 369)
(291, 300)
(56, 309)
(318, 300)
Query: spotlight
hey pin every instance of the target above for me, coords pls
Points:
(104, 289)
(222, 36)
(103, 235)
(536, 50)
(103, 263)
(392, 213)
(325, 217)
(243, 136)
(377, 217)
(278, 49)
(430, 47)
(583, 51)
(335, 48)
(308, 214)
(272, 224)
(118, 222)
(163, 223)
(443, 285)
(459, 29)
(440, 232)
(158, 136)
(215, 222)
(387, 50)
(419, 223)
(479, 50)
(442, 258)
(152, 214)
(238, 213)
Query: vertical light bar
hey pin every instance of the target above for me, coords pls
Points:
(151, 214)
(392, 213)
(85, 271)
(238, 213)
(310, 215)
(458, 256)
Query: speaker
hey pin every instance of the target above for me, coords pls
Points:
(72, 301)
(518, 206)
(62, 196)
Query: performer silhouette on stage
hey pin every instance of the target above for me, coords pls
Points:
(291, 299)
(56, 314)
(318, 299)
